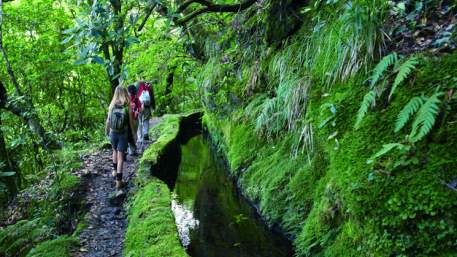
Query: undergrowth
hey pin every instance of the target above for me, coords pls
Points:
(339, 203)
(386, 188)
(42, 215)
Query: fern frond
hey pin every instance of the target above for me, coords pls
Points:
(254, 108)
(382, 66)
(385, 149)
(403, 72)
(426, 117)
(405, 114)
(268, 109)
(368, 100)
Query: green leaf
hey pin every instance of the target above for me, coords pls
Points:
(405, 114)
(68, 39)
(80, 61)
(7, 174)
(368, 100)
(426, 117)
(69, 31)
(381, 67)
(385, 149)
(97, 59)
(131, 40)
(403, 71)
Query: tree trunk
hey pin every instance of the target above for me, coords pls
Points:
(12, 183)
(29, 116)
(169, 86)
(117, 46)
(170, 78)
(24, 108)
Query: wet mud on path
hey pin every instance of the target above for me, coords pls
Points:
(106, 217)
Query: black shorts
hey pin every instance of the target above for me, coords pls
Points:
(118, 140)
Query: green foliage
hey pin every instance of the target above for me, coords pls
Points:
(382, 66)
(59, 247)
(407, 112)
(160, 56)
(66, 98)
(18, 239)
(327, 198)
(100, 33)
(427, 109)
(344, 39)
(387, 148)
(337, 205)
(368, 101)
(425, 118)
(402, 69)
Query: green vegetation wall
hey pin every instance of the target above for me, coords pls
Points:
(340, 126)
(52, 92)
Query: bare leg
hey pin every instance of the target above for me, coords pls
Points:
(145, 129)
(120, 161)
(114, 156)
(140, 133)
(114, 161)
(120, 165)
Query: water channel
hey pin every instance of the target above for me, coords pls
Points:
(213, 219)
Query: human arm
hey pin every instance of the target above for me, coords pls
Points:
(107, 126)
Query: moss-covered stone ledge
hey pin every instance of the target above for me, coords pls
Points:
(151, 227)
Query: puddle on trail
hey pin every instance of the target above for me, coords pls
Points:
(213, 219)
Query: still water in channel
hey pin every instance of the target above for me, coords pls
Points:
(213, 219)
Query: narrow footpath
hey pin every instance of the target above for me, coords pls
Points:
(106, 217)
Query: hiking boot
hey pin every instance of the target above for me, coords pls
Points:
(120, 184)
(117, 197)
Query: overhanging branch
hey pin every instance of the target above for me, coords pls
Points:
(211, 7)
(146, 17)
(186, 4)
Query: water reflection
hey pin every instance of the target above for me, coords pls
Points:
(212, 219)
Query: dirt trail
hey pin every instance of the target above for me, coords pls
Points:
(105, 218)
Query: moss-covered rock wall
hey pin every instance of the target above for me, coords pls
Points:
(338, 203)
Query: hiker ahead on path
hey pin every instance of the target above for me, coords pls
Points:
(135, 106)
(146, 96)
(119, 121)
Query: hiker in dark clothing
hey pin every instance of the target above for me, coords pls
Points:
(119, 121)
(135, 106)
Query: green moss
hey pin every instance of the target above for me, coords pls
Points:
(337, 204)
(59, 247)
(151, 227)
(165, 132)
(151, 230)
